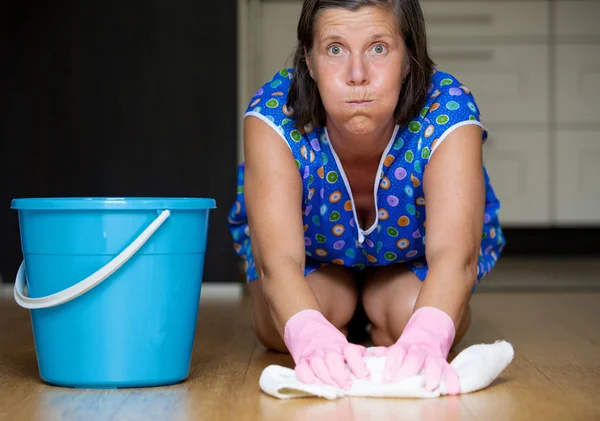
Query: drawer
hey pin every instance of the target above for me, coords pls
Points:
(577, 18)
(577, 176)
(486, 19)
(517, 163)
(577, 84)
(509, 83)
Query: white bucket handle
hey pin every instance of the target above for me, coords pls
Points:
(91, 281)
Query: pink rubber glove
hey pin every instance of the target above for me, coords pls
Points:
(320, 351)
(424, 344)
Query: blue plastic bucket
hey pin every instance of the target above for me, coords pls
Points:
(113, 285)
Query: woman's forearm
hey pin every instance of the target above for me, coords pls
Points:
(449, 283)
(286, 290)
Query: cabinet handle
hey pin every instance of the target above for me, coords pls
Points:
(462, 19)
(463, 55)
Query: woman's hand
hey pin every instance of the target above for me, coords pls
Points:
(423, 345)
(321, 351)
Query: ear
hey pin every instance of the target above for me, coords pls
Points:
(308, 63)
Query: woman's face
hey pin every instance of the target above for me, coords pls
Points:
(358, 63)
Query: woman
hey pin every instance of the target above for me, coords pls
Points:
(352, 158)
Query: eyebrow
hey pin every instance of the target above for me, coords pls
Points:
(335, 37)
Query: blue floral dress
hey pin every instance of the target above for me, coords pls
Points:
(332, 234)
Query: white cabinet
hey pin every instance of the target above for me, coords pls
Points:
(578, 177)
(517, 163)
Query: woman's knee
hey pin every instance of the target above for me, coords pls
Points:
(463, 327)
(336, 290)
(267, 335)
(389, 297)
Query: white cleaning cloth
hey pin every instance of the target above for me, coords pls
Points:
(477, 367)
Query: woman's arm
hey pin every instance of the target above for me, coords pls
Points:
(273, 195)
(455, 199)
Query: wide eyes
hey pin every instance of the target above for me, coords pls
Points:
(336, 50)
(379, 49)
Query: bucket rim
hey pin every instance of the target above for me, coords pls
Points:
(117, 203)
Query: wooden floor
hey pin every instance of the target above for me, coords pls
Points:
(555, 374)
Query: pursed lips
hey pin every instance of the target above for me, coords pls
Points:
(359, 102)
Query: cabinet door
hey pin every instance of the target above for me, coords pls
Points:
(576, 18)
(478, 20)
(517, 163)
(578, 177)
(577, 84)
(509, 82)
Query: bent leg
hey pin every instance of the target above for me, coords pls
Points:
(389, 296)
(336, 290)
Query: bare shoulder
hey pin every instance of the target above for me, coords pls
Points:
(267, 153)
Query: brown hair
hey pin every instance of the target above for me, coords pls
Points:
(304, 95)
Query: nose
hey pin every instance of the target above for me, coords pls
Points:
(358, 74)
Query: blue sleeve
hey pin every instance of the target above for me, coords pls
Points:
(269, 104)
(451, 105)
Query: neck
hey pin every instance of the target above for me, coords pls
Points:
(362, 148)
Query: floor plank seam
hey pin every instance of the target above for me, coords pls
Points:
(249, 362)
(538, 370)
(582, 336)
(472, 415)
(118, 408)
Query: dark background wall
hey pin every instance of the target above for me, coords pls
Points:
(133, 98)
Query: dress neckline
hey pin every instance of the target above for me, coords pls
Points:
(362, 233)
